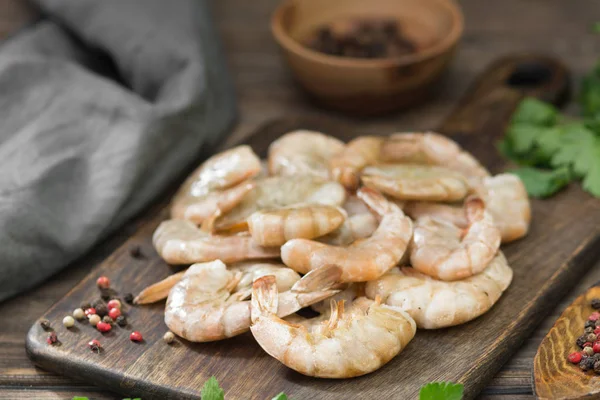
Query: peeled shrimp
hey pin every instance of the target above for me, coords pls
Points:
(286, 277)
(303, 152)
(275, 227)
(205, 306)
(430, 149)
(360, 152)
(416, 182)
(351, 292)
(454, 214)
(360, 223)
(218, 184)
(181, 242)
(349, 344)
(365, 259)
(277, 192)
(441, 249)
(438, 304)
(509, 205)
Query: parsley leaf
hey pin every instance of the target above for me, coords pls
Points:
(441, 391)
(535, 112)
(80, 398)
(211, 390)
(589, 97)
(543, 183)
(280, 396)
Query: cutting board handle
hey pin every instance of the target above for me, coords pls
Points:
(486, 108)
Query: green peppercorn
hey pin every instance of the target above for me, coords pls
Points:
(591, 337)
(589, 351)
(107, 319)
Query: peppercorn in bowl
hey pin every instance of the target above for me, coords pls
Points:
(370, 57)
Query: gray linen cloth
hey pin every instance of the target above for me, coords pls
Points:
(102, 104)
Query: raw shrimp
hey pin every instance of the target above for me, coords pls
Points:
(349, 344)
(443, 251)
(416, 182)
(438, 304)
(360, 152)
(181, 242)
(364, 259)
(430, 149)
(275, 227)
(217, 184)
(205, 306)
(360, 223)
(277, 192)
(303, 152)
(454, 214)
(509, 205)
(348, 295)
(286, 277)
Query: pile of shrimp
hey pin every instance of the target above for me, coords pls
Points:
(379, 236)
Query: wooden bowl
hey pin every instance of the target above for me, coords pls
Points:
(369, 86)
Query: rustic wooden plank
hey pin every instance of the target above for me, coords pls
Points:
(144, 370)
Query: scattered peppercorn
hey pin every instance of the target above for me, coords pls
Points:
(590, 323)
(115, 313)
(78, 314)
(114, 303)
(90, 311)
(128, 298)
(580, 341)
(596, 304)
(136, 252)
(597, 323)
(97, 303)
(103, 282)
(107, 319)
(52, 338)
(594, 316)
(45, 323)
(588, 351)
(575, 357)
(591, 337)
(94, 345)
(94, 319)
(587, 363)
(68, 321)
(589, 329)
(169, 337)
(107, 294)
(121, 321)
(101, 310)
(135, 336)
(596, 347)
(587, 344)
(106, 327)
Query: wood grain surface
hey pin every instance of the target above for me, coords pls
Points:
(266, 91)
(472, 352)
(554, 377)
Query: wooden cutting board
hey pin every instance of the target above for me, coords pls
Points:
(563, 241)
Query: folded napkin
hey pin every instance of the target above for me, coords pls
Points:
(102, 104)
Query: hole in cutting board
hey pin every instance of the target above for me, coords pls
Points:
(530, 75)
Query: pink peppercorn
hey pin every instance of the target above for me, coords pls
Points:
(103, 326)
(135, 336)
(575, 357)
(594, 316)
(114, 313)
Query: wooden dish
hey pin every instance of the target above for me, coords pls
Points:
(369, 86)
(554, 377)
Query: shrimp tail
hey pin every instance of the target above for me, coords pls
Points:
(337, 311)
(376, 201)
(474, 208)
(322, 278)
(264, 297)
(159, 290)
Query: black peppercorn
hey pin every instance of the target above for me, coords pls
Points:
(121, 321)
(107, 294)
(589, 329)
(136, 252)
(45, 323)
(581, 341)
(102, 310)
(596, 304)
(590, 324)
(98, 303)
(128, 298)
(587, 363)
(597, 367)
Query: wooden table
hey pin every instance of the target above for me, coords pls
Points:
(265, 90)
